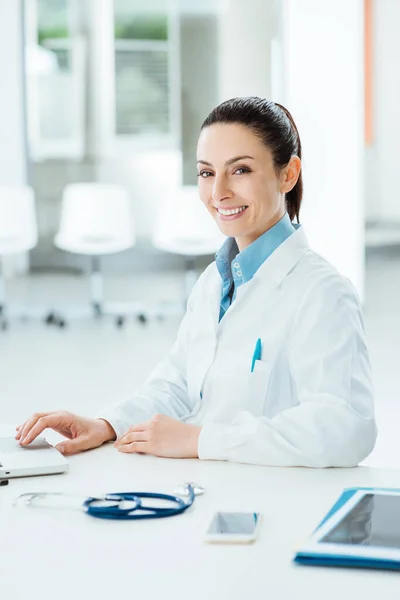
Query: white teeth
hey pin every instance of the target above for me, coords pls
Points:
(234, 211)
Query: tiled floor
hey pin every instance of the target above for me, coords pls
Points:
(92, 363)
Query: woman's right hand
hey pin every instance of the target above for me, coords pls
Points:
(83, 433)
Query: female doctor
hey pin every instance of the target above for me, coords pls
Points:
(270, 365)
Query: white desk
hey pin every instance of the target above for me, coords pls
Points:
(68, 555)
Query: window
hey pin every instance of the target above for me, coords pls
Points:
(144, 63)
(101, 76)
(53, 31)
(55, 80)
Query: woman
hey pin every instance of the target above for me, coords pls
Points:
(270, 364)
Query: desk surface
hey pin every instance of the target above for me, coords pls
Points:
(68, 555)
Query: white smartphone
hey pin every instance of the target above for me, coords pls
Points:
(234, 527)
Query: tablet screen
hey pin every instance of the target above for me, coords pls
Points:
(373, 521)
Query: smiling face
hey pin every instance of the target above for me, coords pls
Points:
(238, 182)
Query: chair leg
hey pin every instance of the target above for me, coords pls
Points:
(96, 286)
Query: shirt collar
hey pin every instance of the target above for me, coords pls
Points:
(241, 266)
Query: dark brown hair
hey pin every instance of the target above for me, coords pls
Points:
(275, 127)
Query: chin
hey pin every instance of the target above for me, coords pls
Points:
(231, 230)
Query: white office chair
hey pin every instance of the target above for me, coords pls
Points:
(96, 219)
(18, 230)
(183, 226)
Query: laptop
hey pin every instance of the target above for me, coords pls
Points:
(39, 458)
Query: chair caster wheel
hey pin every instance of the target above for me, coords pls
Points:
(50, 319)
(120, 322)
(61, 323)
(142, 319)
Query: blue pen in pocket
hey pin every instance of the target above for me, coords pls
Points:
(256, 354)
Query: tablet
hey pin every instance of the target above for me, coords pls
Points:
(366, 526)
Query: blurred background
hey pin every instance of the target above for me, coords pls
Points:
(101, 231)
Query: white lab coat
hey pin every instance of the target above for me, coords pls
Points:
(309, 400)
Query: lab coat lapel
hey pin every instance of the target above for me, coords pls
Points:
(274, 270)
(214, 302)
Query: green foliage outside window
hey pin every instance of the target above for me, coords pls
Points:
(51, 33)
(141, 27)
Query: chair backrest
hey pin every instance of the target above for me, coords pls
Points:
(96, 211)
(18, 223)
(183, 223)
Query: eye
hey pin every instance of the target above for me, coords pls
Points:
(204, 174)
(242, 171)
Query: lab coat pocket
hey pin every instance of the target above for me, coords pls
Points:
(258, 386)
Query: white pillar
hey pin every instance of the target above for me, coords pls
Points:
(244, 54)
(13, 158)
(323, 87)
(385, 148)
(101, 77)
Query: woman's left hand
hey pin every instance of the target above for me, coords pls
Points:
(161, 436)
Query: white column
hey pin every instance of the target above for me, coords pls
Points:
(322, 49)
(13, 159)
(101, 77)
(244, 54)
(385, 204)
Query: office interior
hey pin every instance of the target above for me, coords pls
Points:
(113, 93)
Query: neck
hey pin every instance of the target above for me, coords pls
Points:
(245, 240)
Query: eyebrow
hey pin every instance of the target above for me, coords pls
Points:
(228, 162)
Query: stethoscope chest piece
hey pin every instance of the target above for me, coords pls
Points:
(184, 490)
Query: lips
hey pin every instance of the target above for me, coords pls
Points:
(229, 211)
(230, 214)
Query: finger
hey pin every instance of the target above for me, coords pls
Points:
(129, 432)
(29, 423)
(74, 446)
(41, 424)
(27, 426)
(139, 427)
(134, 436)
(20, 429)
(139, 447)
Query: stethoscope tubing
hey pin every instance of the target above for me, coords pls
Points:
(139, 511)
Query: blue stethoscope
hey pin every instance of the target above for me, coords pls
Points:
(127, 505)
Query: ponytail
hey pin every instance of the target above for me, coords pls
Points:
(295, 196)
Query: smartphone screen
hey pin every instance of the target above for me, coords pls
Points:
(234, 523)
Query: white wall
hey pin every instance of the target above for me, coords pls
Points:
(383, 194)
(12, 145)
(244, 52)
(323, 88)
(199, 82)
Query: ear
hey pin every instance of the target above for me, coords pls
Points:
(290, 174)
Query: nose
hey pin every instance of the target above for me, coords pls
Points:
(220, 189)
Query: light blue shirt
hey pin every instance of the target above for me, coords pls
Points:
(237, 268)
